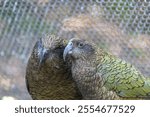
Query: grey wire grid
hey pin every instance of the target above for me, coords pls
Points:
(119, 26)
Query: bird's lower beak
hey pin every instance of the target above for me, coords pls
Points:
(67, 51)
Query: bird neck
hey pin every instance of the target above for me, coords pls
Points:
(100, 55)
(88, 61)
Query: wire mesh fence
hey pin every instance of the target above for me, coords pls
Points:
(121, 27)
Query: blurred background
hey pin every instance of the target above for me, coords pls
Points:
(122, 27)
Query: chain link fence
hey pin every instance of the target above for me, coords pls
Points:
(121, 27)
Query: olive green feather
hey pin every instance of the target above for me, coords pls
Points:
(123, 78)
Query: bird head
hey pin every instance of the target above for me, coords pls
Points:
(49, 48)
(78, 49)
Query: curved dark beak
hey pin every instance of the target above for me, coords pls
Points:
(41, 52)
(68, 50)
(42, 55)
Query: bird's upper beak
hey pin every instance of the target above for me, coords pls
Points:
(42, 55)
(68, 50)
(41, 52)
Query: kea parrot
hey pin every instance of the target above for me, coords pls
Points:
(101, 75)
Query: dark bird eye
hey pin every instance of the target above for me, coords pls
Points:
(80, 45)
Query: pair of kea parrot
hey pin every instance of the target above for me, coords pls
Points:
(81, 70)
